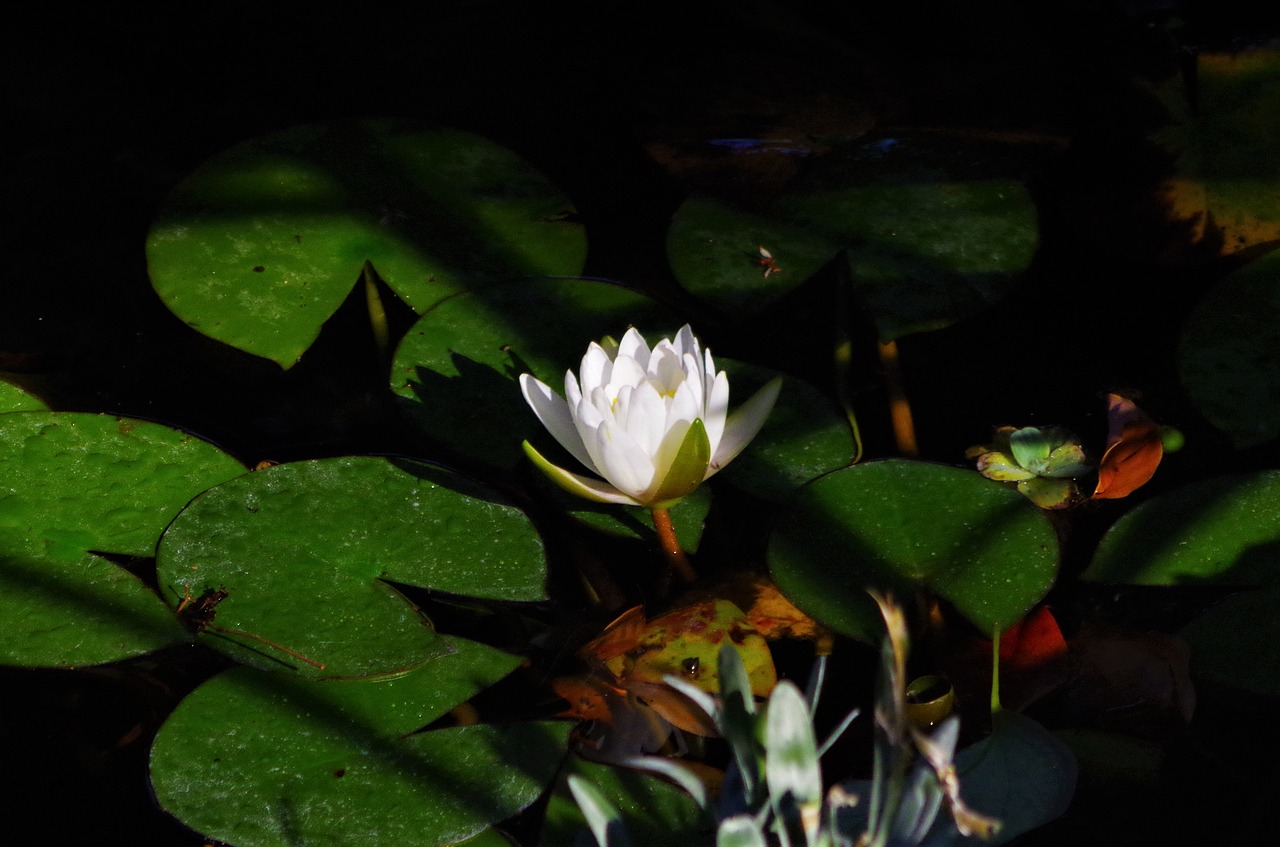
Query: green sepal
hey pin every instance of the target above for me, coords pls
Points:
(689, 468)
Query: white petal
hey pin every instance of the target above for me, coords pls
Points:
(743, 424)
(633, 346)
(554, 414)
(596, 368)
(622, 463)
(710, 377)
(666, 369)
(647, 422)
(589, 420)
(685, 341)
(691, 365)
(626, 371)
(717, 409)
(685, 405)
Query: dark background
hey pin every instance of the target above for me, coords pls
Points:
(107, 107)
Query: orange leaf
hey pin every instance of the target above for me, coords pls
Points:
(621, 635)
(590, 698)
(1134, 450)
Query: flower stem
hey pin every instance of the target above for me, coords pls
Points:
(671, 545)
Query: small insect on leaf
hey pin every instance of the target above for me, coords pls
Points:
(1134, 450)
(197, 613)
(767, 263)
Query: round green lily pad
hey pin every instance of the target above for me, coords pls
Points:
(458, 367)
(304, 555)
(1227, 354)
(265, 760)
(1222, 531)
(76, 486)
(261, 244)
(898, 525)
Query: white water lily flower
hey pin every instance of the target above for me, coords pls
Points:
(653, 423)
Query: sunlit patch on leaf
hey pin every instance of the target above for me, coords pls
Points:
(1227, 184)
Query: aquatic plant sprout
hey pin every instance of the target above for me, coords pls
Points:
(653, 422)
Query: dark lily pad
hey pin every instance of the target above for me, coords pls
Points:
(265, 760)
(77, 488)
(1233, 643)
(930, 237)
(1021, 774)
(898, 526)
(1227, 354)
(804, 436)
(262, 243)
(1223, 531)
(1224, 145)
(306, 552)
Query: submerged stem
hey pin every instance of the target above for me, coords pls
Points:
(904, 430)
(671, 545)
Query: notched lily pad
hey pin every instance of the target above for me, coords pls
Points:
(306, 553)
(900, 525)
(77, 488)
(265, 760)
(261, 244)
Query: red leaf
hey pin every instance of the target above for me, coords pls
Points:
(1033, 642)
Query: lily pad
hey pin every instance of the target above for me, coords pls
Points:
(1223, 531)
(687, 516)
(265, 760)
(930, 237)
(1227, 354)
(1021, 774)
(804, 437)
(306, 554)
(1226, 186)
(898, 526)
(77, 488)
(1232, 643)
(714, 250)
(458, 367)
(14, 399)
(261, 244)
